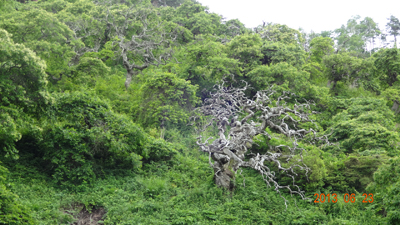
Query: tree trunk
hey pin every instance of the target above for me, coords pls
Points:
(328, 84)
(129, 75)
(224, 171)
(395, 107)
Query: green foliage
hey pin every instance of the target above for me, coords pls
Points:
(172, 3)
(43, 33)
(386, 189)
(281, 33)
(22, 78)
(11, 209)
(276, 52)
(156, 150)
(54, 6)
(203, 23)
(393, 26)
(91, 67)
(246, 49)
(203, 63)
(387, 63)
(7, 6)
(342, 67)
(354, 35)
(320, 47)
(315, 178)
(182, 194)
(312, 158)
(9, 133)
(370, 31)
(352, 172)
(165, 98)
(172, 22)
(392, 94)
(86, 137)
(365, 126)
(287, 78)
(86, 19)
(350, 70)
(78, 148)
(349, 36)
(232, 27)
(88, 71)
(194, 17)
(112, 88)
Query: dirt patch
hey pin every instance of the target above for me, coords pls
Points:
(84, 217)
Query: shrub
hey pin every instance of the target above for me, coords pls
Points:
(85, 137)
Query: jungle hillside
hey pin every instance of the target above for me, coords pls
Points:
(162, 112)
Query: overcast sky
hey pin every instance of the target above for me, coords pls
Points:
(307, 14)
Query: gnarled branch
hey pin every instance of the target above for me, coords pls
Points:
(235, 136)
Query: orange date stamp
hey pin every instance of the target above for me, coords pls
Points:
(322, 198)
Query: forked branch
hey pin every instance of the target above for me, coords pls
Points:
(235, 136)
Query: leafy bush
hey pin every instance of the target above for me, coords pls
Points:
(156, 150)
(165, 98)
(365, 126)
(85, 136)
(22, 76)
(386, 189)
(352, 172)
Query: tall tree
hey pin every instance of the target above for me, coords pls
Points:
(247, 50)
(349, 69)
(43, 33)
(320, 47)
(308, 37)
(22, 89)
(349, 36)
(232, 28)
(172, 3)
(142, 37)
(165, 99)
(204, 62)
(387, 63)
(280, 33)
(393, 27)
(370, 31)
(22, 78)
(275, 52)
(197, 18)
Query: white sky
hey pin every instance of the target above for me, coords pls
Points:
(307, 14)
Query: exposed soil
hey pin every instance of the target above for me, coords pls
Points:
(84, 217)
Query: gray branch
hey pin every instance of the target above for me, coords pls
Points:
(235, 136)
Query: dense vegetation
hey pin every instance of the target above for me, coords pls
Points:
(96, 96)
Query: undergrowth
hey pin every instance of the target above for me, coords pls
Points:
(183, 193)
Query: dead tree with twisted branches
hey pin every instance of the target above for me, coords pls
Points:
(239, 119)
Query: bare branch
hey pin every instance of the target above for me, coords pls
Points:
(235, 136)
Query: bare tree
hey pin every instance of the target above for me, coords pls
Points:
(235, 136)
(142, 38)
